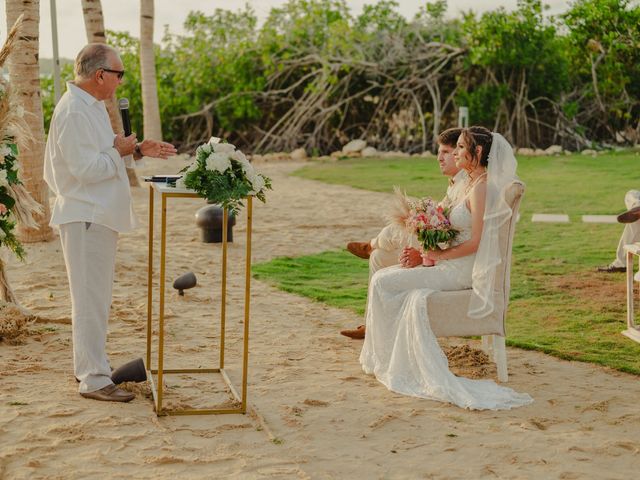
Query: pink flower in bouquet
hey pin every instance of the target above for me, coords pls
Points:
(429, 221)
(3, 209)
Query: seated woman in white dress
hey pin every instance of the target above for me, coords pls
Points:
(399, 348)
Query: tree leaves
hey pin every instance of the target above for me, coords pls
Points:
(304, 76)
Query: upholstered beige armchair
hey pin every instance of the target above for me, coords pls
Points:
(448, 310)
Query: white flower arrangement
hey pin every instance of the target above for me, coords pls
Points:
(16, 204)
(223, 175)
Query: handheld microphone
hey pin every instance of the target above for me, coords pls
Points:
(123, 103)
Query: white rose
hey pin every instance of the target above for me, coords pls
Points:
(247, 168)
(258, 184)
(214, 140)
(219, 162)
(251, 175)
(4, 152)
(223, 148)
(206, 149)
(239, 157)
(3, 179)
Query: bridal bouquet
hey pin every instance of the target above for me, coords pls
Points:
(429, 220)
(223, 175)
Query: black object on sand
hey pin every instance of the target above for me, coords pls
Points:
(184, 282)
(132, 371)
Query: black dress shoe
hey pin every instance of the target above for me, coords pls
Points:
(612, 269)
(630, 216)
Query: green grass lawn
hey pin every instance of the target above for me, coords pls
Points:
(559, 305)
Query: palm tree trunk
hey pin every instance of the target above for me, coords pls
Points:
(24, 76)
(94, 25)
(150, 108)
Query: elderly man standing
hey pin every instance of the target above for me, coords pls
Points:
(85, 169)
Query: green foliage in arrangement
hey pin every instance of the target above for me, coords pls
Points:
(559, 304)
(540, 79)
(224, 176)
(8, 177)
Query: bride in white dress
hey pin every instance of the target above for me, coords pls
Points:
(399, 347)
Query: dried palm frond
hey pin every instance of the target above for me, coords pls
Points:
(400, 207)
(25, 207)
(12, 126)
(6, 293)
(12, 122)
(5, 109)
(11, 38)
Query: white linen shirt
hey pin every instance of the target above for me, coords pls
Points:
(83, 169)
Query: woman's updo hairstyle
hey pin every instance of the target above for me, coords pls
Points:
(478, 137)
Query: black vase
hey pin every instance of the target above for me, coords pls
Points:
(132, 371)
(209, 219)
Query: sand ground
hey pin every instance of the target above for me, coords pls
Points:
(321, 416)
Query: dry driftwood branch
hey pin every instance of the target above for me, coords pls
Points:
(396, 94)
(319, 101)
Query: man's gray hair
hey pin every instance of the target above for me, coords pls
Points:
(91, 58)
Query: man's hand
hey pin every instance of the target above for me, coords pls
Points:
(153, 148)
(410, 257)
(125, 145)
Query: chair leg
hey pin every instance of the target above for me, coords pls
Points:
(487, 344)
(500, 357)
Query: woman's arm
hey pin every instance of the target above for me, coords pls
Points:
(476, 206)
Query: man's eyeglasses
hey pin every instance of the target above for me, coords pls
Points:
(120, 73)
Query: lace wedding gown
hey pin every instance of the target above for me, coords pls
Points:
(401, 350)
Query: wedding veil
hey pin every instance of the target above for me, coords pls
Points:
(501, 171)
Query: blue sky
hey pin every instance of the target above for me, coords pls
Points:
(123, 15)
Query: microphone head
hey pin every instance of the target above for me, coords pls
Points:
(123, 103)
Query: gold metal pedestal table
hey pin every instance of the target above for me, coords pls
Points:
(633, 330)
(166, 192)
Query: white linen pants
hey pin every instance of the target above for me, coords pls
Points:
(387, 247)
(90, 254)
(631, 232)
